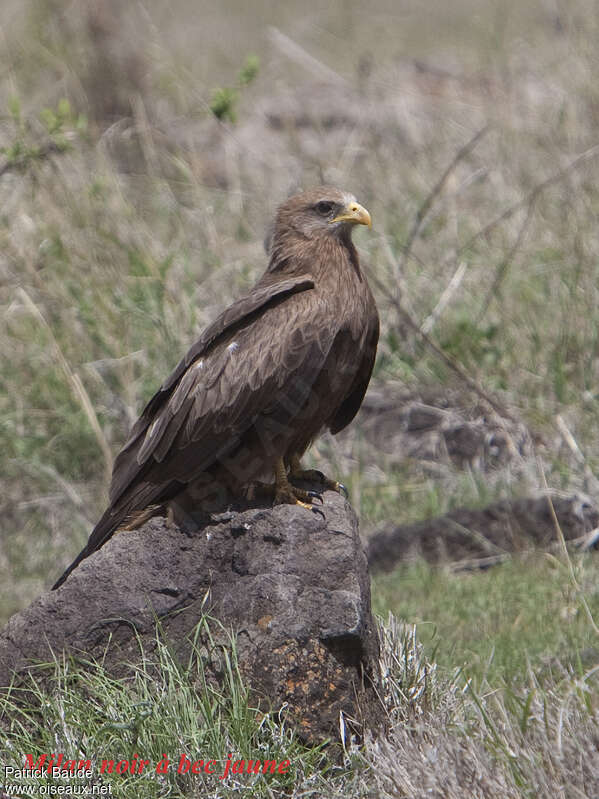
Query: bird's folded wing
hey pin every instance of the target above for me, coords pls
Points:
(263, 363)
(367, 355)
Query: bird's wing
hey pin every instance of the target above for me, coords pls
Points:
(176, 387)
(263, 362)
(367, 351)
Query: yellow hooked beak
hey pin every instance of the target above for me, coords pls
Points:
(355, 214)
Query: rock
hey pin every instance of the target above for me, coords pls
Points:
(292, 586)
(453, 427)
(489, 534)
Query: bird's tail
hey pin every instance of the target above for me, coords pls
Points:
(103, 530)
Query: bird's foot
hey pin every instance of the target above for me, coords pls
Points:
(316, 476)
(283, 493)
(291, 495)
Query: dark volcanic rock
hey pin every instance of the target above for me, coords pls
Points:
(292, 586)
(490, 533)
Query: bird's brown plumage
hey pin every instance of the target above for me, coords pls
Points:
(291, 358)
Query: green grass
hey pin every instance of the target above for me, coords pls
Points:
(497, 624)
(165, 708)
(408, 493)
(438, 729)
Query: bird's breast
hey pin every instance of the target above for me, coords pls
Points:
(345, 297)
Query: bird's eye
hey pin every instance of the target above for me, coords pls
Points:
(324, 208)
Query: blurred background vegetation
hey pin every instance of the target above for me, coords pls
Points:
(144, 149)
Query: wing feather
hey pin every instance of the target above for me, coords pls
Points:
(351, 404)
(249, 384)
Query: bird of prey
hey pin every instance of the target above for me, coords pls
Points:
(291, 358)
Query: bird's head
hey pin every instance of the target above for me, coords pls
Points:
(322, 211)
(310, 226)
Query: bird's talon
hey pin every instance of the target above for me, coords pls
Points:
(316, 476)
(318, 510)
(315, 495)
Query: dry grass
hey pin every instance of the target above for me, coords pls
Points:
(448, 741)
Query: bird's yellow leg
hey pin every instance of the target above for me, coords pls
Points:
(282, 492)
(286, 494)
(296, 472)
